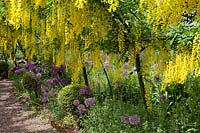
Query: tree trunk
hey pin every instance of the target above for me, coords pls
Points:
(85, 76)
(140, 78)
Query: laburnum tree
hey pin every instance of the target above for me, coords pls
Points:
(143, 33)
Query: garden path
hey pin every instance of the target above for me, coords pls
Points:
(14, 119)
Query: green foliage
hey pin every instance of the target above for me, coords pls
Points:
(29, 81)
(69, 120)
(181, 37)
(127, 90)
(67, 95)
(56, 112)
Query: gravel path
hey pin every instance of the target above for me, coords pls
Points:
(14, 119)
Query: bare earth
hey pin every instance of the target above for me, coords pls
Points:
(14, 119)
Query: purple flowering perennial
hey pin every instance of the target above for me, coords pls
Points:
(89, 102)
(15, 68)
(26, 99)
(30, 66)
(38, 75)
(125, 119)
(81, 108)
(45, 99)
(106, 65)
(107, 57)
(89, 61)
(82, 91)
(134, 120)
(76, 103)
(46, 89)
(62, 68)
(36, 89)
(85, 91)
(125, 74)
(126, 65)
(62, 81)
(20, 70)
(88, 90)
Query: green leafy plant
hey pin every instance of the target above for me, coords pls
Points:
(67, 95)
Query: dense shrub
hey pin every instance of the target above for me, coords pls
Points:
(67, 95)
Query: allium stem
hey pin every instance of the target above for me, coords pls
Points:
(105, 72)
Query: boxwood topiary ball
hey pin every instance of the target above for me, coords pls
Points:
(67, 95)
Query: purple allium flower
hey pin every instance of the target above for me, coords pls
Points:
(55, 81)
(76, 103)
(19, 70)
(46, 89)
(82, 91)
(81, 108)
(34, 71)
(55, 68)
(46, 94)
(45, 99)
(107, 57)
(125, 119)
(35, 89)
(26, 99)
(89, 102)
(49, 82)
(125, 73)
(30, 66)
(89, 61)
(63, 81)
(54, 75)
(134, 120)
(106, 65)
(15, 68)
(126, 65)
(62, 68)
(38, 75)
(88, 90)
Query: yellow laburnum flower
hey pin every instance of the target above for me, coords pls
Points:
(113, 6)
(80, 3)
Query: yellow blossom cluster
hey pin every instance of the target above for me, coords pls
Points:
(80, 3)
(15, 13)
(184, 63)
(113, 4)
(148, 97)
(168, 12)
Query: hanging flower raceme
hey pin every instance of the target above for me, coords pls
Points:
(168, 12)
(183, 64)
